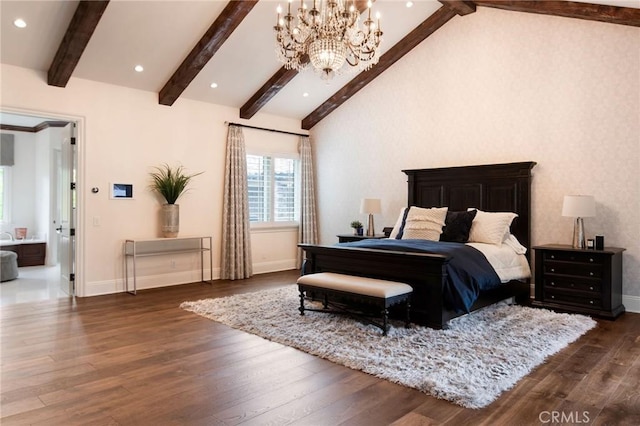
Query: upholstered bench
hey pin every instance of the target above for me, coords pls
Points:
(339, 289)
(8, 265)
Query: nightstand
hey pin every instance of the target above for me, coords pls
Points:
(579, 280)
(347, 238)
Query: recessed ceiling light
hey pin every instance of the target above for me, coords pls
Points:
(20, 23)
(138, 68)
(305, 94)
(409, 3)
(213, 85)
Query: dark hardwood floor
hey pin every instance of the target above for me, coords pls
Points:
(141, 360)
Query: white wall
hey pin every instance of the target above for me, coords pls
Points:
(123, 134)
(491, 87)
(40, 195)
(23, 183)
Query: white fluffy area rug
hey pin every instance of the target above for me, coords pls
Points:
(480, 356)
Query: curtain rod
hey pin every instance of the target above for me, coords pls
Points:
(263, 128)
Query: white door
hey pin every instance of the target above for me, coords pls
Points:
(67, 219)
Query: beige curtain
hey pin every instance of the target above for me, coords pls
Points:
(308, 230)
(236, 238)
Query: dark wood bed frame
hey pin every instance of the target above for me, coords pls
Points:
(492, 188)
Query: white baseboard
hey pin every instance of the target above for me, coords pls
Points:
(276, 266)
(631, 303)
(98, 288)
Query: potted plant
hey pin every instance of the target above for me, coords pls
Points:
(357, 227)
(170, 183)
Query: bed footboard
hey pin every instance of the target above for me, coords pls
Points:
(424, 272)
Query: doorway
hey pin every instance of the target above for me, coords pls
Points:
(50, 218)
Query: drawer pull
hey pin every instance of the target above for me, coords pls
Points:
(591, 259)
(590, 273)
(553, 283)
(591, 302)
(553, 297)
(591, 288)
(553, 270)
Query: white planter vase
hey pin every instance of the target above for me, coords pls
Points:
(170, 220)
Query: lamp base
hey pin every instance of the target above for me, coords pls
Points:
(370, 231)
(578, 234)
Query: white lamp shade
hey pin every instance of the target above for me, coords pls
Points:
(370, 206)
(579, 206)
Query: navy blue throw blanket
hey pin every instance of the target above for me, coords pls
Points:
(468, 270)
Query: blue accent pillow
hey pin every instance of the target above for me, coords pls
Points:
(457, 226)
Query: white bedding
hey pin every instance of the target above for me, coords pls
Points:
(508, 264)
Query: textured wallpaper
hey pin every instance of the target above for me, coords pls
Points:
(493, 87)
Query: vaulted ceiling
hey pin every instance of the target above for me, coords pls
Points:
(185, 46)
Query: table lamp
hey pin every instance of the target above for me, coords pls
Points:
(370, 206)
(578, 206)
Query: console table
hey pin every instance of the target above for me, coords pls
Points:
(133, 249)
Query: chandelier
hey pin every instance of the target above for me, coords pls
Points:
(327, 36)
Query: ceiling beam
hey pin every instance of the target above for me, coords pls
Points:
(280, 79)
(75, 40)
(404, 46)
(462, 7)
(570, 9)
(268, 90)
(232, 15)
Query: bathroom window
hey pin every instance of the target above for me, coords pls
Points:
(5, 194)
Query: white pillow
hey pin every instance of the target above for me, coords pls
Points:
(398, 225)
(424, 224)
(490, 227)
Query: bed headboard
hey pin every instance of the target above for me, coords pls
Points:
(492, 188)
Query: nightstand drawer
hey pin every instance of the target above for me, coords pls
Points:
(568, 256)
(572, 299)
(572, 284)
(576, 269)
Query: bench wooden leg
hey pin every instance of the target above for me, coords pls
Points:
(385, 320)
(301, 308)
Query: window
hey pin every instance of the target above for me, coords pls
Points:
(272, 183)
(5, 194)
